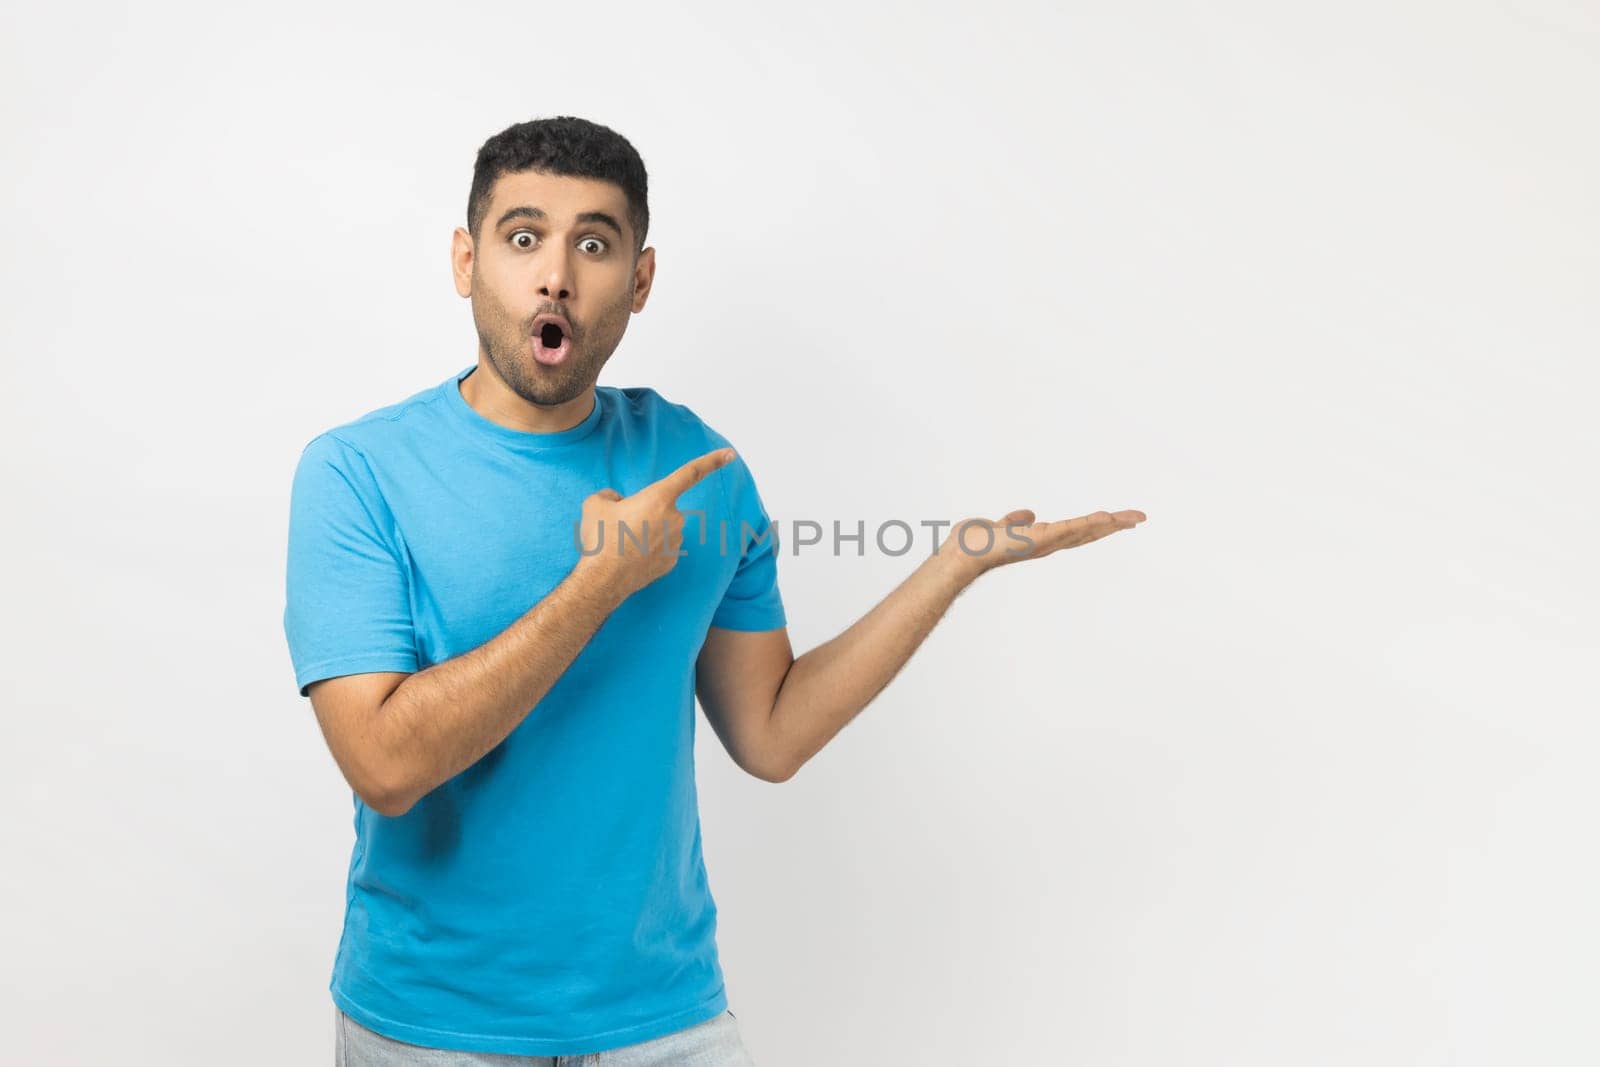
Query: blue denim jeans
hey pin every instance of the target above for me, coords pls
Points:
(713, 1043)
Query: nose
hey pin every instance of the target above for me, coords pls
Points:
(557, 281)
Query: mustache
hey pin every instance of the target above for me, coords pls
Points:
(571, 322)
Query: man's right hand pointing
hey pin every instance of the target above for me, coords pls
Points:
(630, 541)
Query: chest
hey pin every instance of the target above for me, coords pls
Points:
(484, 542)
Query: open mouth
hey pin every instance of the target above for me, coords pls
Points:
(551, 343)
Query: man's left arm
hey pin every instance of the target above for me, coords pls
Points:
(773, 712)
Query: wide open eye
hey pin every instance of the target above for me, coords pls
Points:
(522, 233)
(595, 241)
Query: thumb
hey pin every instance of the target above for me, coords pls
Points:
(608, 494)
(1022, 516)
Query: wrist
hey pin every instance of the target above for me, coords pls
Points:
(596, 578)
(957, 568)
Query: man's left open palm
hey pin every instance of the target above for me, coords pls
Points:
(1017, 536)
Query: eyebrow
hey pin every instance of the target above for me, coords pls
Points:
(527, 211)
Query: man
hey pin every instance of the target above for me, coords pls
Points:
(502, 614)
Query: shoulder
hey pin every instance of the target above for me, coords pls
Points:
(354, 440)
(646, 403)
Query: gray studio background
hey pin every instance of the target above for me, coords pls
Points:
(1297, 772)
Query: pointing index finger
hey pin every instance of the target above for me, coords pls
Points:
(683, 479)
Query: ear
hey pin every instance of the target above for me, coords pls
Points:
(644, 275)
(461, 253)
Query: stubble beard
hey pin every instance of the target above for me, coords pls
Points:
(508, 343)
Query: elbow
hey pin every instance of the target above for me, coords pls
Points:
(389, 805)
(773, 760)
(391, 782)
(388, 795)
(386, 801)
(398, 796)
(774, 772)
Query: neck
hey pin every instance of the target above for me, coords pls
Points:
(487, 394)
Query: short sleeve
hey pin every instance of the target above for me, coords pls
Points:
(753, 600)
(347, 606)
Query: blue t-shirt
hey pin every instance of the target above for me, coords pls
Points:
(551, 899)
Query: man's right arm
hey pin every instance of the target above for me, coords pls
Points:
(398, 736)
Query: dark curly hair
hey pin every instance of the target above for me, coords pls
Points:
(562, 145)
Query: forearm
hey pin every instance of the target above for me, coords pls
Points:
(827, 686)
(442, 720)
